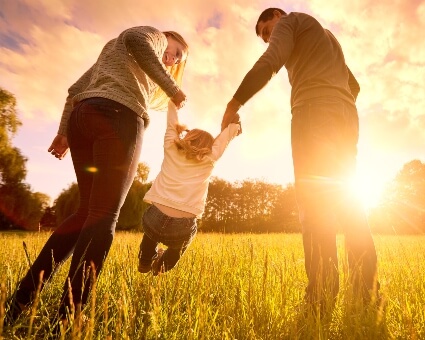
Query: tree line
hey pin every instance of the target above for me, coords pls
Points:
(250, 205)
(256, 206)
(20, 207)
(247, 206)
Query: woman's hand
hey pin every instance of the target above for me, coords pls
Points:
(179, 99)
(59, 147)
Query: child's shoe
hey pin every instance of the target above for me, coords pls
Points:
(157, 264)
(144, 268)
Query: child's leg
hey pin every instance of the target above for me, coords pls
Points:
(175, 233)
(171, 256)
(146, 253)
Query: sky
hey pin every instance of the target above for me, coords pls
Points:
(46, 45)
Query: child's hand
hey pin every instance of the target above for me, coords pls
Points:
(240, 125)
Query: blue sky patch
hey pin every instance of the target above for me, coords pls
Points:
(215, 20)
(12, 41)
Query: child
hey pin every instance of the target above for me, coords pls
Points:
(179, 192)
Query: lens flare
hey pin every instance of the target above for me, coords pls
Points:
(91, 169)
(368, 190)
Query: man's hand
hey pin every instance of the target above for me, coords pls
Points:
(179, 99)
(231, 115)
(59, 147)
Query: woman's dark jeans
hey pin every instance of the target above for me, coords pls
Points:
(175, 233)
(105, 140)
(324, 135)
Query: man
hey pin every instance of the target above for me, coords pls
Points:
(324, 136)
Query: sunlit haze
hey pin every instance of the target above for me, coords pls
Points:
(46, 45)
(368, 189)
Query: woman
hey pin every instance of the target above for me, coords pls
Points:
(103, 122)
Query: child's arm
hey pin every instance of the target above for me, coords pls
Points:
(172, 119)
(223, 139)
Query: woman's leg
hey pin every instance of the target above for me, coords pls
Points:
(61, 243)
(116, 133)
(56, 250)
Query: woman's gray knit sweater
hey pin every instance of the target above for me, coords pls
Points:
(128, 71)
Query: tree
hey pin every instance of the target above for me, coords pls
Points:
(134, 207)
(12, 163)
(284, 215)
(19, 206)
(8, 117)
(12, 166)
(402, 209)
(67, 203)
(218, 206)
(142, 173)
(48, 220)
(249, 206)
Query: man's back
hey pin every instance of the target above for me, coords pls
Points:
(312, 56)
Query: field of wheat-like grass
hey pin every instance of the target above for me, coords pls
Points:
(242, 286)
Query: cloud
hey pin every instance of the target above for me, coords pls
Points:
(382, 47)
(45, 45)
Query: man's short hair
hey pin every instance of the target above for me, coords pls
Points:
(267, 15)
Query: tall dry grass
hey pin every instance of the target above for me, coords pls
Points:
(225, 287)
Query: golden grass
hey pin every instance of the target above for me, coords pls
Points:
(225, 287)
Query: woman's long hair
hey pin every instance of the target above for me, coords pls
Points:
(159, 100)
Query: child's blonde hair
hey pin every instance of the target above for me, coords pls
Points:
(195, 144)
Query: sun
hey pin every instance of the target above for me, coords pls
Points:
(368, 189)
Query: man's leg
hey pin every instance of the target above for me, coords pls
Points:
(319, 241)
(362, 258)
(316, 133)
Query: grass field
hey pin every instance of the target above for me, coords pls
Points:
(225, 287)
